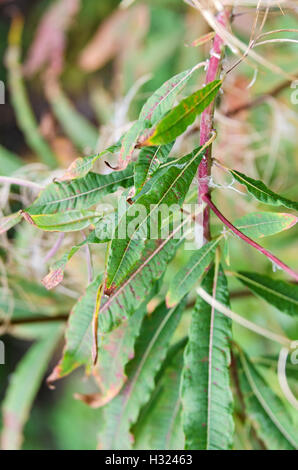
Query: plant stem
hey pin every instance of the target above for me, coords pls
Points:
(213, 70)
(287, 269)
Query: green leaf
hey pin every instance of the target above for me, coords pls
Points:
(115, 309)
(263, 194)
(9, 221)
(79, 194)
(280, 294)
(82, 166)
(115, 351)
(164, 98)
(129, 295)
(182, 116)
(78, 336)
(206, 394)
(129, 142)
(105, 227)
(159, 426)
(170, 187)
(263, 224)
(265, 410)
(23, 387)
(70, 221)
(151, 347)
(56, 274)
(189, 275)
(148, 162)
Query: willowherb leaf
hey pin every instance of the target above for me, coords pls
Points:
(159, 426)
(280, 294)
(101, 234)
(105, 227)
(83, 165)
(24, 385)
(170, 187)
(206, 395)
(263, 224)
(164, 98)
(115, 309)
(78, 336)
(151, 347)
(56, 274)
(116, 350)
(129, 142)
(182, 116)
(9, 221)
(148, 162)
(187, 276)
(265, 410)
(262, 193)
(68, 221)
(123, 301)
(79, 194)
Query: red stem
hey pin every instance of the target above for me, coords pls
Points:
(207, 126)
(206, 198)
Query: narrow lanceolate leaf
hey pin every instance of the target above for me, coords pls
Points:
(263, 224)
(105, 227)
(121, 304)
(115, 309)
(164, 98)
(148, 162)
(56, 274)
(151, 348)
(182, 116)
(265, 410)
(78, 336)
(116, 349)
(82, 166)
(69, 221)
(129, 142)
(190, 274)
(159, 426)
(206, 394)
(9, 221)
(170, 187)
(79, 194)
(280, 294)
(263, 194)
(24, 385)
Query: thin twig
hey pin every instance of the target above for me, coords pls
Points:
(20, 182)
(260, 99)
(248, 240)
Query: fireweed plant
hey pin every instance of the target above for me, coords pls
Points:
(158, 390)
